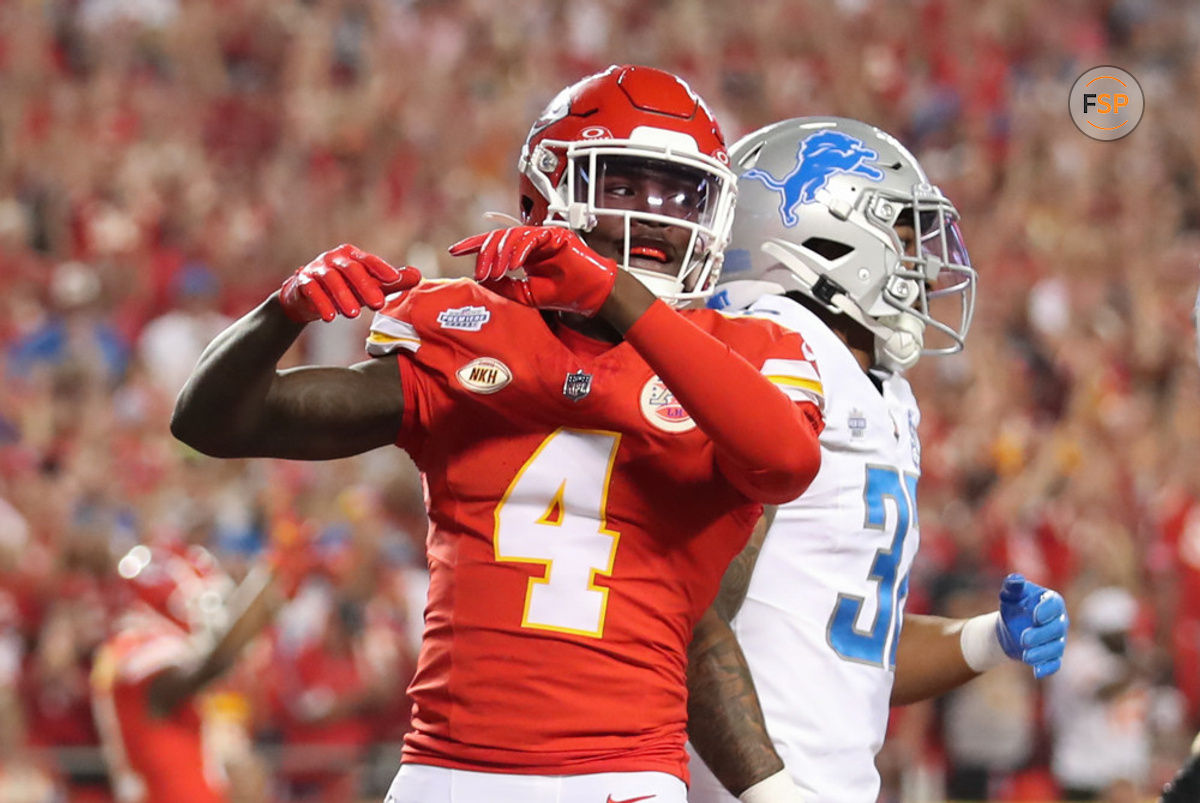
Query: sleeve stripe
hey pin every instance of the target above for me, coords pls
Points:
(795, 382)
(797, 368)
(387, 325)
(389, 334)
(803, 395)
(383, 346)
(798, 379)
(378, 337)
(800, 390)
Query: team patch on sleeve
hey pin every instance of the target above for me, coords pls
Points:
(389, 335)
(798, 379)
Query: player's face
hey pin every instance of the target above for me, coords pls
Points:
(929, 241)
(908, 238)
(643, 185)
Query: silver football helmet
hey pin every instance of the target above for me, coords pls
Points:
(819, 199)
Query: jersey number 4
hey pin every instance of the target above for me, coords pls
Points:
(554, 513)
(877, 643)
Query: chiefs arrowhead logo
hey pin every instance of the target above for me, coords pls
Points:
(662, 409)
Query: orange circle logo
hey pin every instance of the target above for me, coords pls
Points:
(1106, 103)
(662, 409)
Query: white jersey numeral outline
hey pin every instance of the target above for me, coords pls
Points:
(555, 513)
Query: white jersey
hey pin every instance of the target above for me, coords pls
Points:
(823, 610)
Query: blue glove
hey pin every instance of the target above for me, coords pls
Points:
(1033, 625)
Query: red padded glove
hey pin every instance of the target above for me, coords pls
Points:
(340, 282)
(561, 271)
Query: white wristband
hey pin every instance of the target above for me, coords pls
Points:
(777, 788)
(980, 647)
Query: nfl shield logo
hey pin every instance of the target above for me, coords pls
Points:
(577, 385)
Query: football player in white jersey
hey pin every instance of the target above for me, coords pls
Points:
(838, 234)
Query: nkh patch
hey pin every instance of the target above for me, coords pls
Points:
(662, 409)
(577, 385)
(467, 319)
(484, 375)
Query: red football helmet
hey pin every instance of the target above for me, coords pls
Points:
(183, 583)
(641, 120)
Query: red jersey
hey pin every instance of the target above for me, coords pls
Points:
(150, 758)
(578, 529)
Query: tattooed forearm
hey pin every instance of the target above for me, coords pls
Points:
(725, 721)
(737, 577)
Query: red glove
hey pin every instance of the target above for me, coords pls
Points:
(561, 272)
(339, 282)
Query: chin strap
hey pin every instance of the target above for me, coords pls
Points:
(899, 348)
(899, 338)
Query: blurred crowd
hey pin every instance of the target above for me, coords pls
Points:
(165, 163)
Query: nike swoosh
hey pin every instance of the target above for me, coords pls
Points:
(629, 799)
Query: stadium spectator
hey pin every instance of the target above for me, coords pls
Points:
(1100, 704)
(170, 344)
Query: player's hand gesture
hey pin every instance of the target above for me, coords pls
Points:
(1033, 625)
(561, 272)
(340, 282)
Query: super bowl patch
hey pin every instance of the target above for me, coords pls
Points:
(467, 319)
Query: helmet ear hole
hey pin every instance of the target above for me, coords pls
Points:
(830, 250)
(526, 208)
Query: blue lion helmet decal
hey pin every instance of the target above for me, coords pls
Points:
(819, 157)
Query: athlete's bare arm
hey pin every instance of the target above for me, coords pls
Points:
(236, 404)
(725, 722)
(929, 659)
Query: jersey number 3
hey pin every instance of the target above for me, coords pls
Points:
(554, 513)
(874, 645)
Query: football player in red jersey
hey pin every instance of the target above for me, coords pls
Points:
(185, 627)
(589, 461)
